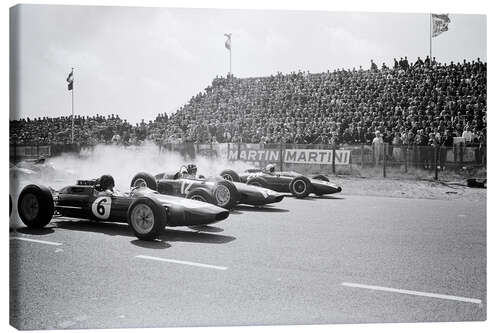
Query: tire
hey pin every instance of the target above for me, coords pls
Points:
(147, 218)
(144, 179)
(200, 195)
(35, 206)
(300, 187)
(258, 181)
(225, 194)
(321, 177)
(230, 175)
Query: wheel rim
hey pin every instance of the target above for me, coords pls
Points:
(227, 177)
(142, 218)
(299, 186)
(222, 195)
(198, 198)
(139, 182)
(30, 206)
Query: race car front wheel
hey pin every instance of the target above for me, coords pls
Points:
(225, 194)
(230, 175)
(35, 206)
(300, 187)
(146, 218)
(144, 179)
(200, 195)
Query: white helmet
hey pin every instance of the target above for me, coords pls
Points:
(270, 168)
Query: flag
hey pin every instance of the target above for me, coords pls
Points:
(228, 41)
(439, 24)
(69, 79)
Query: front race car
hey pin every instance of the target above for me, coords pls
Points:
(257, 196)
(322, 187)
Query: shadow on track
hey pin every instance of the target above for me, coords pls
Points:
(156, 244)
(29, 231)
(168, 235)
(266, 209)
(206, 228)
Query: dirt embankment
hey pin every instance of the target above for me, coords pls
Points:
(406, 188)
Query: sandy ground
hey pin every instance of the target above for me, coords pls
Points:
(406, 188)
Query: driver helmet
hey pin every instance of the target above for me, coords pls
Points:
(183, 170)
(192, 169)
(106, 182)
(270, 168)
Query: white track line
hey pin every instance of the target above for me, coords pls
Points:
(36, 241)
(411, 292)
(182, 262)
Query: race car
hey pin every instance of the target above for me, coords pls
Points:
(146, 211)
(219, 191)
(287, 181)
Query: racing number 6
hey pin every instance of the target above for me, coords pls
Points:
(101, 207)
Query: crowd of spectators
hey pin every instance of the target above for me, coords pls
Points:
(421, 103)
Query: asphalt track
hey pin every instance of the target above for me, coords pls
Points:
(337, 259)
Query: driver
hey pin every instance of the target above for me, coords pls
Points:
(192, 170)
(188, 171)
(106, 185)
(270, 168)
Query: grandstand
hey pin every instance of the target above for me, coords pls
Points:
(419, 104)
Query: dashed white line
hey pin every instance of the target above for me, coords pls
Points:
(182, 262)
(36, 241)
(412, 292)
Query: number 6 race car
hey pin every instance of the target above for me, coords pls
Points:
(146, 211)
(221, 192)
(291, 182)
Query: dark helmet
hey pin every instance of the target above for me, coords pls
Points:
(106, 182)
(192, 169)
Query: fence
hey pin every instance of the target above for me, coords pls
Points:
(371, 160)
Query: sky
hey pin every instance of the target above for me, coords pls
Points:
(138, 62)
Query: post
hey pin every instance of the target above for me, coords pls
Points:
(461, 154)
(436, 154)
(405, 150)
(333, 158)
(231, 60)
(362, 155)
(430, 39)
(72, 108)
(281, 156)
(383, 156)
(228, 148)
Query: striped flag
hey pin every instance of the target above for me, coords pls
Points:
(439, 24)
(69, 79)
(228, 41)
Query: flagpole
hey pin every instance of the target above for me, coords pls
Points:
(430, 39)
(231, 59)
(72, 108)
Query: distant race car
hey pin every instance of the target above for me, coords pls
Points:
(287, 181)
(146, 211)
(219, 191)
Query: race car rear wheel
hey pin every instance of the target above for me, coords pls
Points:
(230, 175)
(321, 177)
(225, 194)
(146, 218)
(200, 195)
(35, 206)
(300, 187)
(144, 179)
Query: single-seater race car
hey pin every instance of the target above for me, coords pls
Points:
(287, 181)
(146, 211)
(219, 191)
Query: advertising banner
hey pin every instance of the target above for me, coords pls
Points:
(316, 156)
